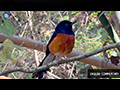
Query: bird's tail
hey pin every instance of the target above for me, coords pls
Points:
(45, 61)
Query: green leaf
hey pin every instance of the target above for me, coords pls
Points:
(65, 17)
(114, 53)
(76, 13)
(111, 12)
(53, 12)
(95, 13)
(6, 51)
(7, 27)
(15, 59)
(104, 35)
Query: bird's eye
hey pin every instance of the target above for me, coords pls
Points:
(67, 25)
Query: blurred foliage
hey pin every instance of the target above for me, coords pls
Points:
(39, 25)
(111, 12)
(7, 27)
(6, 50)
(76, 12)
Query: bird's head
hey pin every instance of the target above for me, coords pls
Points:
(65, 27)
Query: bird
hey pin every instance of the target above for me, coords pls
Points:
(61, 43)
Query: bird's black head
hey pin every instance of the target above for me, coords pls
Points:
(65, 27)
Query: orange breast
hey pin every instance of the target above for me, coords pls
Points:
(62, 44)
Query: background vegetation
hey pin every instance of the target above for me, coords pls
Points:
(39, 25)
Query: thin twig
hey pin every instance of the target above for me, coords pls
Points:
(36, 58)
(80, 57)
(15, 18)
(24, 30)
(21, 75)
(56, 77)
(71, 71)
(5, 66)
(14, 76)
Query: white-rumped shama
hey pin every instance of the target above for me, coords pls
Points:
(60, 44)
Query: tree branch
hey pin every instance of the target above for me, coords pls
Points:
(24, 42)
(61, 61)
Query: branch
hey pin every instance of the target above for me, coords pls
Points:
(61, 61)
(24, 42)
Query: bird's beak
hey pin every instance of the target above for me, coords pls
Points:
(73, 22)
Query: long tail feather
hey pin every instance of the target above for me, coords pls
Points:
(45, 61)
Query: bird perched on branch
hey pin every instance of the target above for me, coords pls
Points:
(60, 44)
